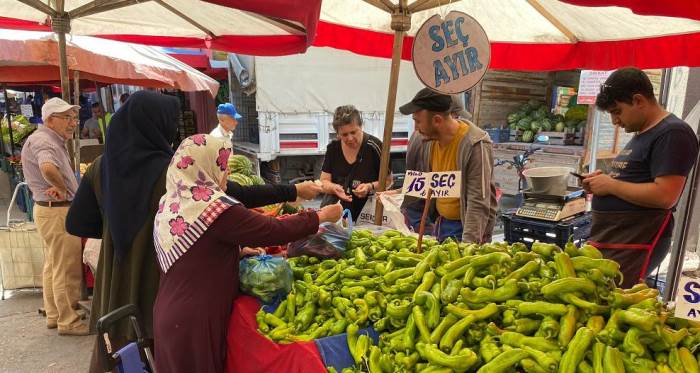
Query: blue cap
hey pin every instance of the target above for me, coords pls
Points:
(228, 109)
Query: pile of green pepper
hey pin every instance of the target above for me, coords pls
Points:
(481, 308)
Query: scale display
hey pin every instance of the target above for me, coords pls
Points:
(552, 211)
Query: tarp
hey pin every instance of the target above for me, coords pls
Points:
(27, 56)
(256, 27)
(558, 36)
(670, 8)
(324, 78)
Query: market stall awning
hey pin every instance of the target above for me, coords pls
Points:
(670, 8)
(32, 57)
(531, 35)
(255, 27)
(198, 59)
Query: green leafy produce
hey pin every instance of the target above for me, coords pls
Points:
(21, 129)
(265, 277)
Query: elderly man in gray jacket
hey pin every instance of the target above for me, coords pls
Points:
(446, 142)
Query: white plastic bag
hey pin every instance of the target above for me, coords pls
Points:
(392, 210)
(91, 253)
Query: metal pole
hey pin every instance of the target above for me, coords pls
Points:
(9, 121)
(400, 22)
(76, 134)
(594, 140)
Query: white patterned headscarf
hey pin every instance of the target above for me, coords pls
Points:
(193, 199)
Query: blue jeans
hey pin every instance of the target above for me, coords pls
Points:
(445, 228)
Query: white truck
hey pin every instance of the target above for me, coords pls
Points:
(288, 104)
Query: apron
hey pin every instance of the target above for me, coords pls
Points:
(629, 238)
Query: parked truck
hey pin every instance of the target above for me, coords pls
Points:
(288, 104)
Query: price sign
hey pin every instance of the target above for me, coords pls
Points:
(589, 85)
(688, 298)
(443, 184)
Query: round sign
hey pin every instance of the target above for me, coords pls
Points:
(451, 55)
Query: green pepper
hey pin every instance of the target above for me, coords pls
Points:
(352, 292)
(626, 300)
(274, 321)
(453, 250)
(544, 360)
(351, 337)
(342, 304)
(353, 272)
(549, 328)
(545, 249)
(508, 317)
(409, 336)
(609, 267)
(432, 306)
(281, 309)
(690, 364)
(409, 361)
(576, 350)
(446, 278)
(488, 348)
(368, 283)
(426, 284)
(442, 327)
(488, 281)
(596, 323)
(650, 304)
(564, 266)
(456, 330)
(260, 318)
(518, 340)
(374, 356)
(672, 338)
(590, 307)
(484, 260)
(631, 343)
(637, 287)
(394, 275)
(451, 292)
(520, 258)
(568, 285)
(339, 326)
(483, 295)
(590, 251)
(304, 318)
(611, 332)
(584, 367)
(504, 362)
(598, 354)
(363, 311)
(530, 366)
(421, 324)
(546, 272)
(526, 270)
(399, 309)
(642, 319)
(640, 365)
(361, 347)
(280, 333)
(326, 274)
(612, 361)
(324, 298)
(570, 248)
(525, 326)
(386, 363)
(460, 362)
(541, 308)
(567, 326)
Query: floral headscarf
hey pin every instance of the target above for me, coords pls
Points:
(193, 198)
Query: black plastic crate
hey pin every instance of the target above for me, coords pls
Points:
(527, 231)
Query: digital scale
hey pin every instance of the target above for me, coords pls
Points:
(552, 207)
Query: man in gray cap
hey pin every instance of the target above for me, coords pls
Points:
(444, 140)
(48, 172)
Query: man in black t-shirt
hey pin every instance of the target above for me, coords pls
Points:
(632, 204)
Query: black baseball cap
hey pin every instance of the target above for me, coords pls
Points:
(427, 99)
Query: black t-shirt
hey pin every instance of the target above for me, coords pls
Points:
(669, 148)
(366, 171)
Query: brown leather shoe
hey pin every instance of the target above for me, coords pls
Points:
(81, 329)
(51, 325)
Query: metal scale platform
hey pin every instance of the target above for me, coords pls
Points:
(552, 207)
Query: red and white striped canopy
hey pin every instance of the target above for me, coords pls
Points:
(255, 27)
(529, 34)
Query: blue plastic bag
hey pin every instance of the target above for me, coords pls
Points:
(329, 242)
(265, 277)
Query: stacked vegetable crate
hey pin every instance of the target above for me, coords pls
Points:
(485, 308)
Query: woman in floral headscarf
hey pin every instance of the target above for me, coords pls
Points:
(198, 230)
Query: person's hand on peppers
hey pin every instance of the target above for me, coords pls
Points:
(252, 251)
(362, 190)
(308, 190)
(598, 183)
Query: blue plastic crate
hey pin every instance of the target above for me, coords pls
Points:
(499, 135)
(527, 231)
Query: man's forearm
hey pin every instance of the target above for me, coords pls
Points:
(644, 194)
(53, 176)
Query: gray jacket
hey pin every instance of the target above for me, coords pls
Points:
(478, 194)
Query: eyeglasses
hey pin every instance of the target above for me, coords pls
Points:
(69, 117)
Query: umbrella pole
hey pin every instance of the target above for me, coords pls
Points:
(76, 140)
(400, 23)
(63, 65)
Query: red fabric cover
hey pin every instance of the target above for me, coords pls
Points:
(658, 52)
(669, 8)
(250, 351)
